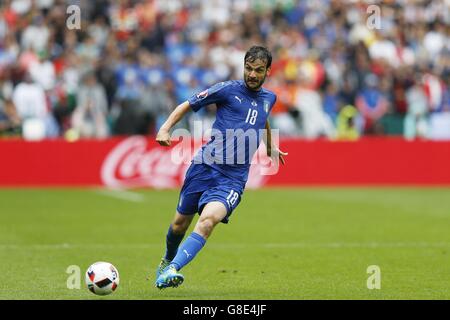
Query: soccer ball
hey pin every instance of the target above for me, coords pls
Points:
(102, 278)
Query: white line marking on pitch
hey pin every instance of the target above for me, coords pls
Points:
(331, 245)
(122, 195)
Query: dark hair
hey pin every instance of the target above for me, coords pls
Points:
(259, 52)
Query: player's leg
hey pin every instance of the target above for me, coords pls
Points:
(175, 235)
(193, 187)
(196, 182)
(215, 204)
(213, 213)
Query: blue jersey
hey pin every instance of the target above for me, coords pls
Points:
(236, 133)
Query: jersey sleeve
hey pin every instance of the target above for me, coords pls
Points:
(212, 95)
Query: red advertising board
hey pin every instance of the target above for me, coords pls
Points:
(139, 162)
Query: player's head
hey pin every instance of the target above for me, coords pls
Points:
(257, 62)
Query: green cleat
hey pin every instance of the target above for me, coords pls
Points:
(162, 265)
(169, 278)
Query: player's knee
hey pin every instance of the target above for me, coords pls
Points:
(205, 226)
(180, 224)
(178, 228)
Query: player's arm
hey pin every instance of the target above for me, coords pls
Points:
(277, 153)
(267, 138)
(212, 95)
(163, 136)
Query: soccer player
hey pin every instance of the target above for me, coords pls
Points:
(216, 177)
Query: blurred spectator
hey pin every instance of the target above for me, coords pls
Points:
(403, 80)
(439, 122)
(331, 101)
(435, 38)
(127, 113)
(349, 124)
(43, 71)
(315, 122)
(99, 31)
(371, 104)
(89, 117)
(347, 94)
(416, 122)
(107, 77)
(9, 52)
(88, 52)
(155, 105)
(434, 91)
(283, 115)
(32, 108)
(35, 36)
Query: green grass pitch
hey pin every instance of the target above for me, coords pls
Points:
(305, 243)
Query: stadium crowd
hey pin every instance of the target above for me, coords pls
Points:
(340, 70)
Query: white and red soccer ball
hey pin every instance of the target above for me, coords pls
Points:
(102, 278)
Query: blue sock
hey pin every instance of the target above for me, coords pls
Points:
(172, 242)
(190, 247)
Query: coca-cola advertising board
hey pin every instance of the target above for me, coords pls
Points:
(139, 162)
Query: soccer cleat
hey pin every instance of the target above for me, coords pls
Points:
(162, 265)
(169, 278)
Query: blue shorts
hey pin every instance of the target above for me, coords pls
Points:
(204, 184)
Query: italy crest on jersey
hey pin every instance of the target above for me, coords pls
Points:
(266, 106)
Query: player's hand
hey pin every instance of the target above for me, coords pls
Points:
(279, 155)
(163, 137)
